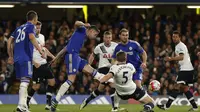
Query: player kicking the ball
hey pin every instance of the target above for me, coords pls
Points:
(73, 61)
(122, 74)
(104, 51)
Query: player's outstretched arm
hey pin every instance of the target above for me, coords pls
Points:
(10, 50)
(60, 54)
(49, 53)
(35, 43)
(106, 77)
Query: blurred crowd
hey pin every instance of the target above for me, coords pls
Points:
(151, 30)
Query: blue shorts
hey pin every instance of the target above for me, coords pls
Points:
(74, 63)
(138, 74)
(23, 69)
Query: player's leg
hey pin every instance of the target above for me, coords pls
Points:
(99, 90)
(24, 72)
(112, 93)
(49, 93)
(143, 97)
(148, 103)
(90, 70)
(31, 92)
(190, 97)
(93, 95)
(63, 89)
(51, 86)
(137, 77)
(188, 77)
(36, 84)
(116, 102)
(72, 64)
(173, 93)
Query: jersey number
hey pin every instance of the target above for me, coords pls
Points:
(125, 77)
(21, 35)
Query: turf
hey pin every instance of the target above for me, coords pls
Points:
(92, 108)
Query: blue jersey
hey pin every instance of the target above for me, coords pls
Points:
(133, 50)
(76, 41)
(23, 48)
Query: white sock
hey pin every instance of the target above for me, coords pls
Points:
(23, 94)
(116, 100)
(65, 86)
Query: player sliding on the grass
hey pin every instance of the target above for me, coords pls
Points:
(122, 73)
(73, 61)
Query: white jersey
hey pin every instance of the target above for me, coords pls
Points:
(123, 81)
(105, 54)
(36, 55)
(185, 64)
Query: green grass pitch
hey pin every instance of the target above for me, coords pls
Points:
(92, 108)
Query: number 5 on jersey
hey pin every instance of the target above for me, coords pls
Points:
(21, 35)
(125, 77)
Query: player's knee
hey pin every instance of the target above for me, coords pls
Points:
(71, 78)
(24, 82)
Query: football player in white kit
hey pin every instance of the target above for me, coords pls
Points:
(104, 51)
(122, 74)
(41, 70)
(185, 76)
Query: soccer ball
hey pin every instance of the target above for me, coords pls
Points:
(154, 85)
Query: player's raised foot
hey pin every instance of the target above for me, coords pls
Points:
(162, 107)
(84, 104)
(54, 105)
(193, 110)
(47, 107)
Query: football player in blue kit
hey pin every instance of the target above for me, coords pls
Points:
(73, 61)
(133, 50)
(24, 40)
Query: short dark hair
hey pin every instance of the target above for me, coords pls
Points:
(31, 15)
(177, 32)
(107, 33)
(123, 30)
(121, 56)
(94, 28)
(39, 23)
